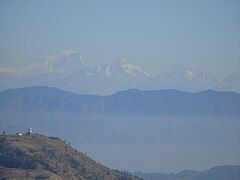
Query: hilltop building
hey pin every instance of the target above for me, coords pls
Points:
(29, 131)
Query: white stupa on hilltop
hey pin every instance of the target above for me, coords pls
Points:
(29, 131)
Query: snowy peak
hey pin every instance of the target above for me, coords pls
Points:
(180, 71)
(9, 71)
(120, 68)
(63, 62)
(182, 77)
(74, 56)
(68, 70)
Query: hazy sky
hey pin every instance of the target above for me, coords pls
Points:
(151, 34)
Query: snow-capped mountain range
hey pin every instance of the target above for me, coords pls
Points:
(69, 71)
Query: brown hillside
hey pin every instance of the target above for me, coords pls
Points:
(40, 157)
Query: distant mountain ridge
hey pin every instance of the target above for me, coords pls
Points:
(132, 102)
(216, 173)
(69, 71)
(140, 127)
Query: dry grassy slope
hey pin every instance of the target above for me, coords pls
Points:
(12, 173)
(37, 156)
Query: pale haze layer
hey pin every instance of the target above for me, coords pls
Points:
(151, 34)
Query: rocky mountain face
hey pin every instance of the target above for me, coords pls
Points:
(69, 71)
(40, 157)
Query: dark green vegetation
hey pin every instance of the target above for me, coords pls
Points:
(38, 156)
(215, 173)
